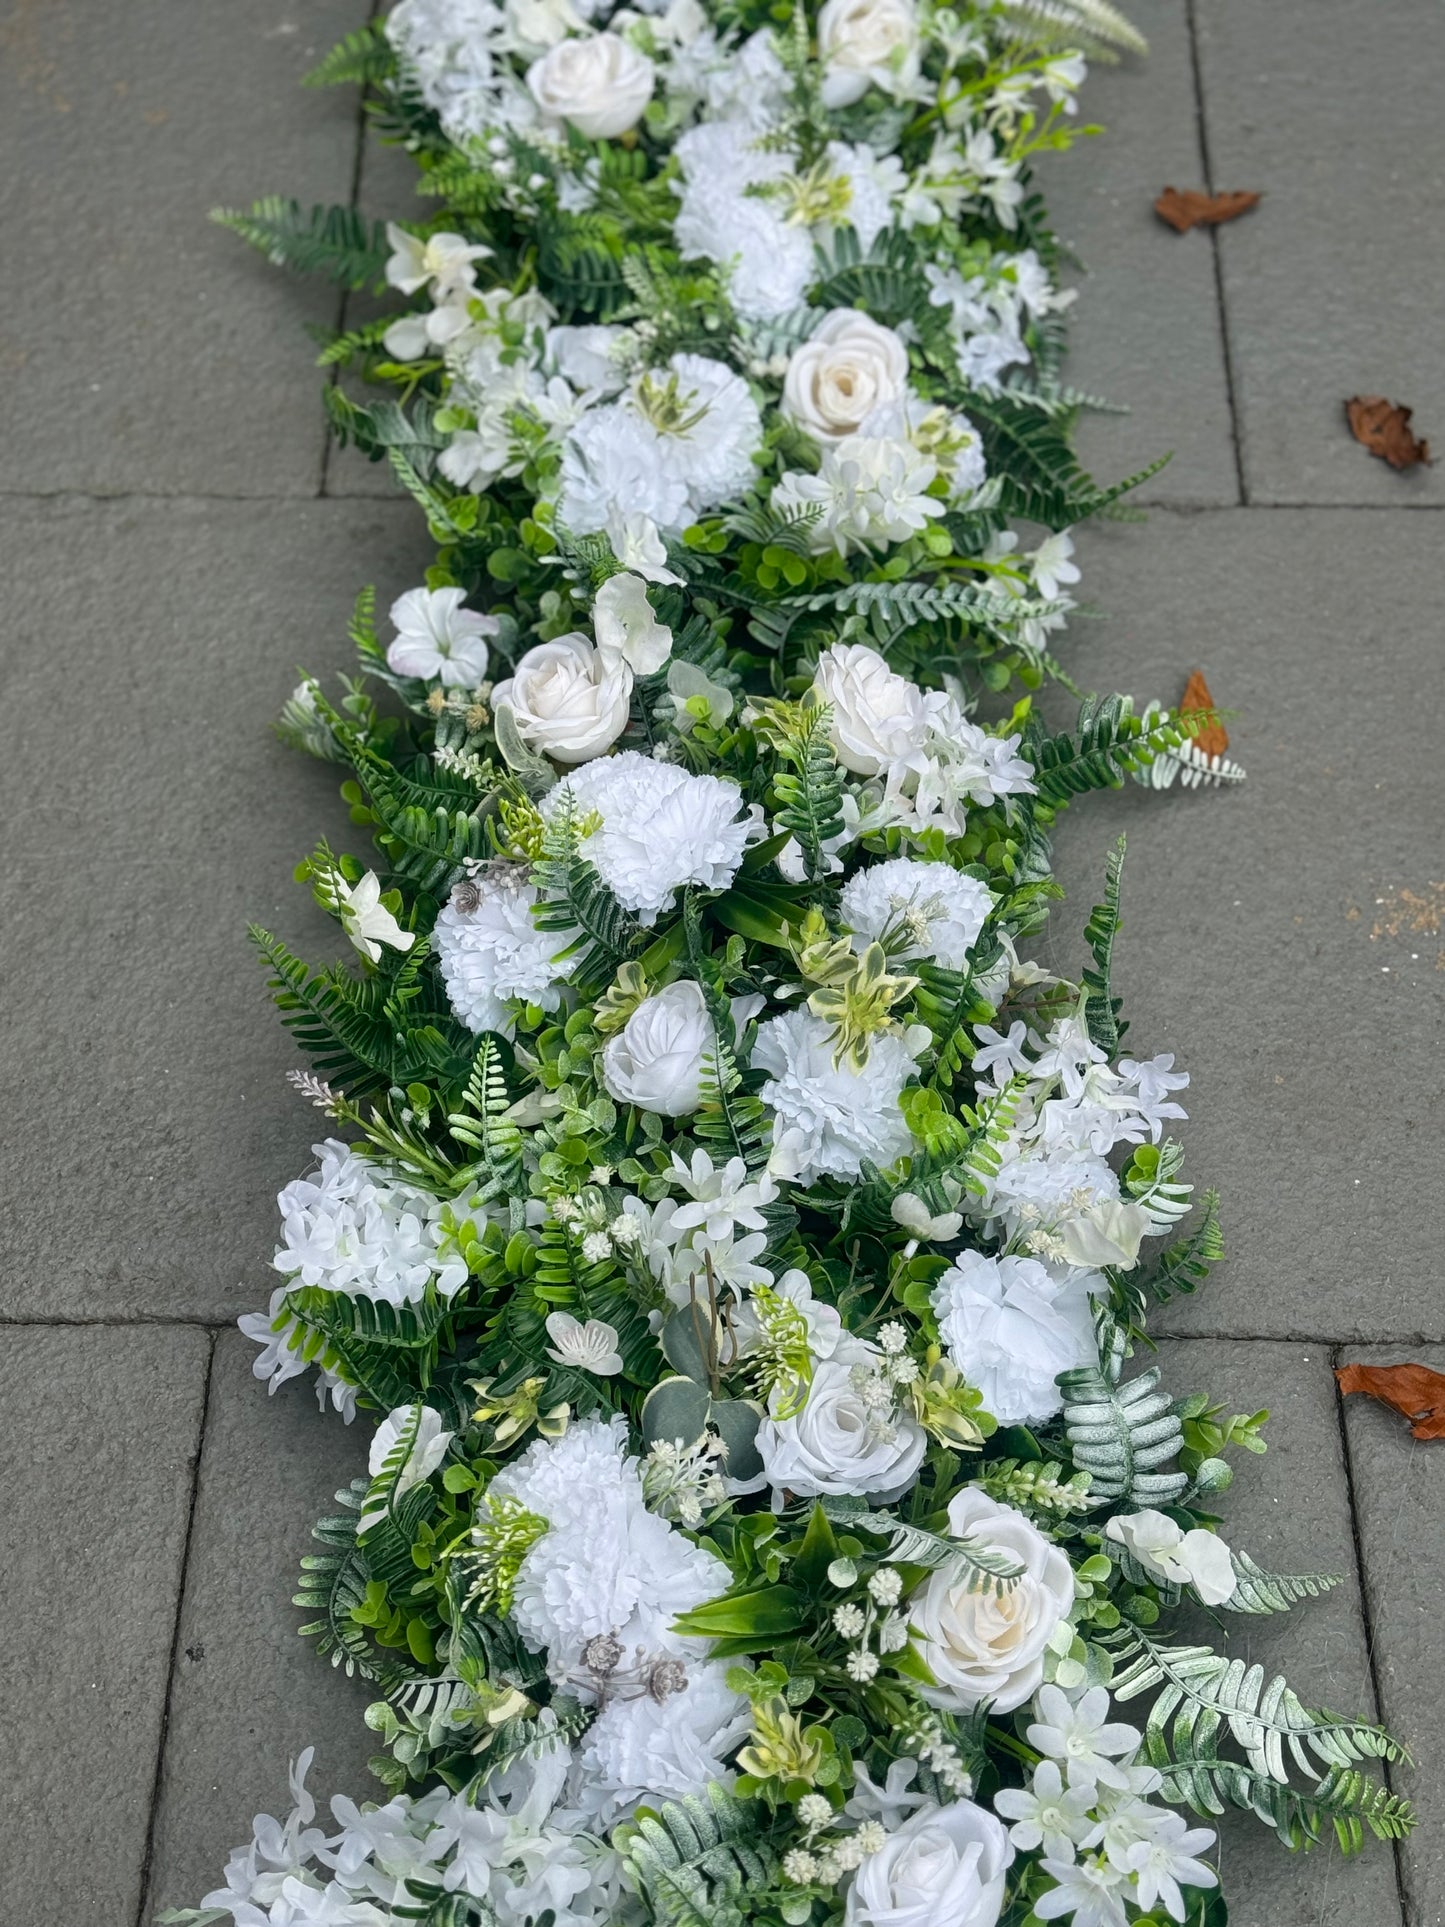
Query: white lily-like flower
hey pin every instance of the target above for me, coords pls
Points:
(444, 260)
(586, 1348)
(366, 919)
(909, 1210)
(638, 546)
(627, 631)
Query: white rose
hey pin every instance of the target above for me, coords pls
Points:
(566, 700)
(944, 1867)
(542, 23)
(1166, 1551)
(879, 718)
(840, 1445)
(850, 367)
(627, 630)
(865, 43)
(1107, 1233)
(656, 1060)
(428, 1449)
(986, 1646)
(600, 84)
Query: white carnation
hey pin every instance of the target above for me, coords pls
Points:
(661, 828)
(828, 1118)
(639, 1749)
(610, 466)
(492, 955)
(1011, 1327)
(606, 1565)
(940, 909)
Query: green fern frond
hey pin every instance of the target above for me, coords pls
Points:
(1037, 1486)
(1258, 1591)
(1101, 1007)
(1094, 27)
(1121, 1434)
(1109, 742)
(693, 1861)
(1182, 1267)
(333, 241)
(574, 898)
(362, 59)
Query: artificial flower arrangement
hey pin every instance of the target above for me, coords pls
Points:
(742, 1246)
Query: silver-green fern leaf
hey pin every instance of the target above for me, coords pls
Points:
(1122, 1435)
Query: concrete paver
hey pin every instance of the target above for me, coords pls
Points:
(1144, 333)
(1399, 1488)
(248, 1693)
(1290, 1511)
(1335, 283)
(150, 820)
(98, 1435)
(1248, 946)
(138, 340)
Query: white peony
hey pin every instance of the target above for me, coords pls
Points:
(661, 828)
(1167, 1552)
(437, 637)
(567, 699)
(880, 719)
(1011, 1327)
(983, 1645)
(847, 1439)
(827, 1117)
(851, 366)
(943, 1867)
(867, 43)
(656, 1060)
(940, 910)
(492, 954)
(598, 84)
(627, 630)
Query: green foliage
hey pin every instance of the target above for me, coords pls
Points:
(334, 1585)
(1109, 742)
(336, 242)
(810, 795)
(1121, 1434)
(693, 1862)
(1042, 480)
(1183, 1266)
(362, 59)
(1038, 1486)
(1200, 1696)
(1259, 1591)
(1095, 27)
(575, 898)
(1102, 1007)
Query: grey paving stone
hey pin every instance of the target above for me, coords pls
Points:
(249, 1694)
(1249, 946)
(1335, 283)
(151, 815)
(98, 1435)
(143, 349)
(1400, 1496)
(1144, 332)
(1290, 1510)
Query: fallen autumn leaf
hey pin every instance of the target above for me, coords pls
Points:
(1213, 739)
(1414, 1391)
(1184, 209)
(1384, 428)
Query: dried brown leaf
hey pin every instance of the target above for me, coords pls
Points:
(1184, 209)
(1414, 1391)
(1213, 738)
(1384, 428)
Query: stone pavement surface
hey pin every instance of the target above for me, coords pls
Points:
(177, 529)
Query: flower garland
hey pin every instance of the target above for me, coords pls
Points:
(741, 1245)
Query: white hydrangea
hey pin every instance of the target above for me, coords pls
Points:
(283, 1356)
(605, 1565)
(679, 442)
(492, 954)
(940, 909)
(452, 50)
(661, 827)
(350, 1226)
(1011, 1326)
(827, 1117)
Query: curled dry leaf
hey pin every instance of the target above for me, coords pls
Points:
(1213, 738)
(1384, 428)
(1184, 209)
(1414, 1391)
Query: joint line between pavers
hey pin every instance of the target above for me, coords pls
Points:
(343, 306)
(1366, 1614)
(1196, 69)
(147, 1864)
